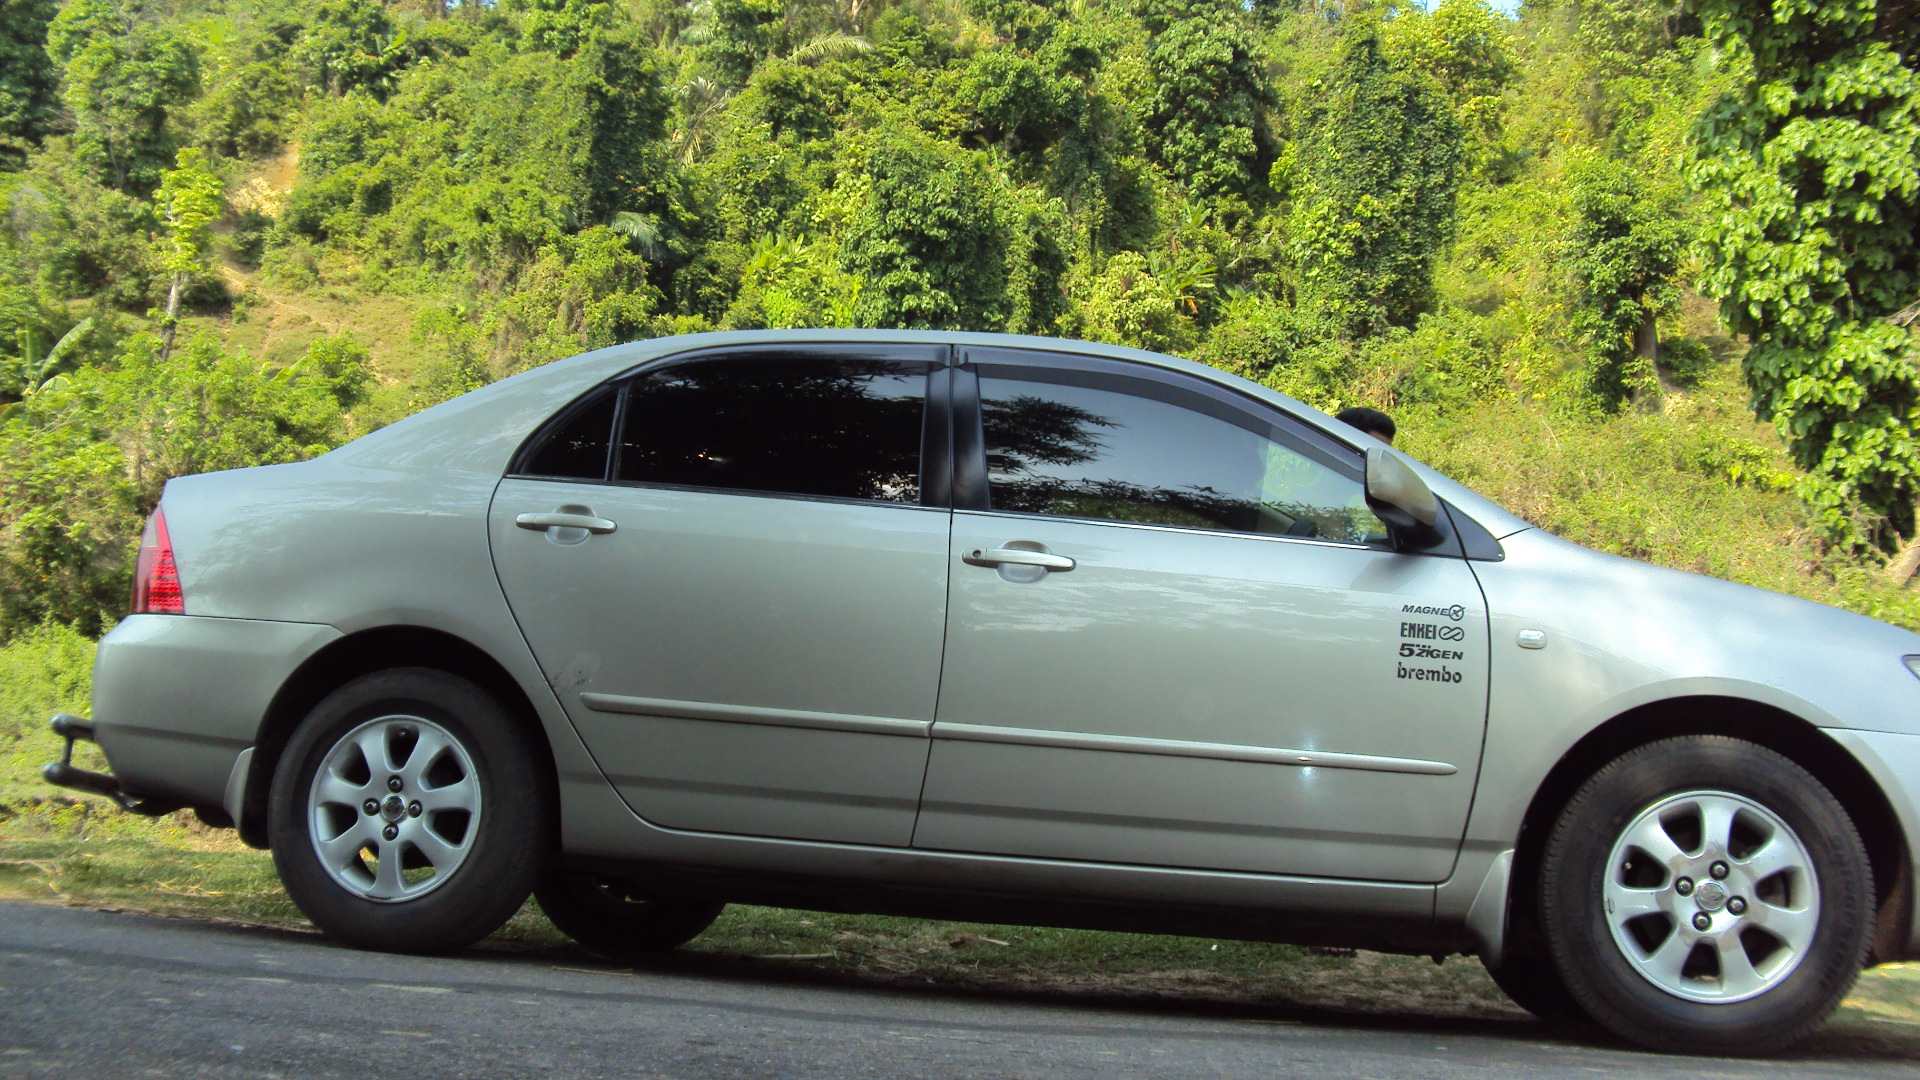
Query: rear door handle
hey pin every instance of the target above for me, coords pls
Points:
(558, 520)
(1017, 557)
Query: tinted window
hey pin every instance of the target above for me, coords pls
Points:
(800, 425)
(1126, 450)
(578, 447)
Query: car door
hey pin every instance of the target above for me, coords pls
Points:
(1174, 639)
(740, 599)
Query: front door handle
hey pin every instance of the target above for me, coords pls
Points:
(563, 520)
(1001, 556)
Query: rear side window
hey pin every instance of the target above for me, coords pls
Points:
(794, 425)
(577, 449)
(1113, 449)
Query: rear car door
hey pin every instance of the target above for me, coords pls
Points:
(1175, 639)
(732, 569)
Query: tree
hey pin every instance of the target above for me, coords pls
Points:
(124, 80)
(1208, 97)
(1626, 252)
(927, 238)
(1810, 175)
(28, 80)
(1379, 165)
(189, 201)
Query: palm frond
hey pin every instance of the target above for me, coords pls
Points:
(830, 47)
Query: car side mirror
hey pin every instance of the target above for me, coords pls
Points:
(1400, 499)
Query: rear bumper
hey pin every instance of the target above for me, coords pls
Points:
(177, 699)
(1894, 762)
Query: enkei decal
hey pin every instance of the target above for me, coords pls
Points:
(1427, 631)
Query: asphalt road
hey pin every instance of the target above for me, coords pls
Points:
(94, 995)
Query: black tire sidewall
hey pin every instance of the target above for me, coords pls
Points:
(611, 927)
(1604, 982)
(512, 844)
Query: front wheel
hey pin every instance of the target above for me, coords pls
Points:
(1706, 895)
(407, 813)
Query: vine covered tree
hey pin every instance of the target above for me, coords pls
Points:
(1380, 167)
(1810, 171)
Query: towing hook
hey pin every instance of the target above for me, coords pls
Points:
(63, 773)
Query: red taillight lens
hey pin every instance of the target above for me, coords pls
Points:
(156, 579)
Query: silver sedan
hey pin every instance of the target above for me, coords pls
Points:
(1009, 629)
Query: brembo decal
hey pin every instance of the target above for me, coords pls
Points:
(1421, 632)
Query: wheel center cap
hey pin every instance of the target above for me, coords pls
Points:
(1710, 895)
(393, 809)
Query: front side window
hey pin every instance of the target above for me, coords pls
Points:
(1116, 449)
(794, 424)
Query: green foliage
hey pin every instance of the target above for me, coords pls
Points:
(28, 82)
(1810, 172)
(124, 79)
(1626, 252)
(189, 201)
(1207, 97)
(927, 236)
(83, 461)
(1379, 168)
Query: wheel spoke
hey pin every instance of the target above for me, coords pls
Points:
(388, 884)
(1625, 905)
(1777, 854)
(1667, 960)
(1650, 836)
(430, 745)
(373, 744)
(332, 790)
(440, 853)
(1737, 977)
(1716, 824)
(462, 794)
(1794, 927)
(340, 852)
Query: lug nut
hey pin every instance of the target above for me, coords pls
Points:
(370, 806)
(1701, 920)
(392, 831)
(1684, 886)
(413, 810)
(1718, 870)
(1737, 905)
(393, 783)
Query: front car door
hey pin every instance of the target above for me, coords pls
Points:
(740, 599)
(1174, 639)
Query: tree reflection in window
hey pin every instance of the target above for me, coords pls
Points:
(801, 425)
(1077, 451)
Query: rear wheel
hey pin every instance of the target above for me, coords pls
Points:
(406, 813)
(615, 917)
(1706, 895)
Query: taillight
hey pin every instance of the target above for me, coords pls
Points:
(156, 578)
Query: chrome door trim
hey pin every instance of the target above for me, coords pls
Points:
(1133, 744)
(755, 714)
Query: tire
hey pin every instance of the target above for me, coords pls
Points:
(1705, 895)
(611, 917)
(1533, 984)
(462, 821)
